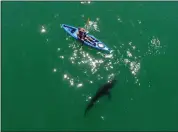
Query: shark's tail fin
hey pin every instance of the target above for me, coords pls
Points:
(88, 108)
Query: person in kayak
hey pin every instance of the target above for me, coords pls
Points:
(81, 33)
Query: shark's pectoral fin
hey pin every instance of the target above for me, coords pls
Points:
(109, 95)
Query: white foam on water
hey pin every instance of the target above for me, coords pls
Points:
(155, 47)
(54, 70)
(43, 29)
(79, 85)
(119, 19)
(92, 25)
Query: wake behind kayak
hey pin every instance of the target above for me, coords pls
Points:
(95, 43)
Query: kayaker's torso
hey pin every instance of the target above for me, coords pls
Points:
(81, 33)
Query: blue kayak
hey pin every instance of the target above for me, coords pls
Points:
(95, 43)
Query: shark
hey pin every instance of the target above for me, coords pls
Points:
(102, 91)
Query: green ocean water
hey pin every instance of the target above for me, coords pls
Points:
(48, 78)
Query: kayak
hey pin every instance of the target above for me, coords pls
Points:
(95, 43)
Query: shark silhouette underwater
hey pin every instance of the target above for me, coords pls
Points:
(102, 91)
